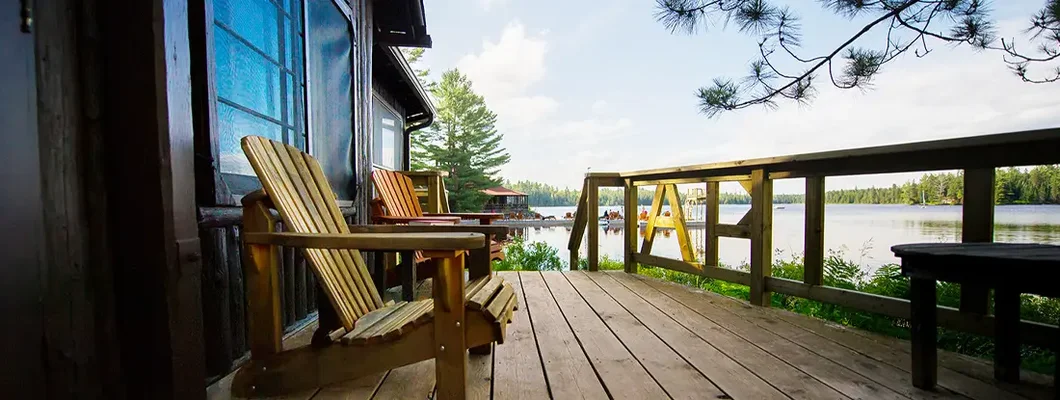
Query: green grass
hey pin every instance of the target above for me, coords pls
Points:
(839, 272)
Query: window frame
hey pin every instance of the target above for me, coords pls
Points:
(404, 139)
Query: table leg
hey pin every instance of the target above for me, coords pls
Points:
(1006, 335)
(407, 270)
(924, 319)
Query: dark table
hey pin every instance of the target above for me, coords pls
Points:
(1008, 268)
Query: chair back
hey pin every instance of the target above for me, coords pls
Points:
(300, 191)
(397, 193)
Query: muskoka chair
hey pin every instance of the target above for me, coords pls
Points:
(358, 334)
(398, 204)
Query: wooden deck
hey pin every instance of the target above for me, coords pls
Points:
(610, 334)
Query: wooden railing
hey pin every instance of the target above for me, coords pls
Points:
(978, 156)
(430, 188)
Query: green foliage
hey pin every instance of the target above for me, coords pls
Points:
(462, 141)
(534, 256)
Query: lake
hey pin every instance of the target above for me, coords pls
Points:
(862, 233)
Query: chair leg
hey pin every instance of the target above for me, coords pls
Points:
(449, 325)
(327, 319)
(924, 331)
(479, 266)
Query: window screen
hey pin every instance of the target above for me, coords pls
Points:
(388, 144)
(330, 55)
(259, 80)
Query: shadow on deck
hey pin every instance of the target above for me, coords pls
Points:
(601, 334)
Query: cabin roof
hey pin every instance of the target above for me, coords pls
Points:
(502, 191)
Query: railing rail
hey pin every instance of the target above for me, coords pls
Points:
(977, 156)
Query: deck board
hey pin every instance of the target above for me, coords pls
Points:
(599, 334)
(669, 369)
(517, 369)
(620, 371)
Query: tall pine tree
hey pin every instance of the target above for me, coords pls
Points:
(462, 141)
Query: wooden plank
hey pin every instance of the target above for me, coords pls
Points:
(517, 369)
(813, 247)
(948, 377)
(1007, 339)
(760, 363)
(761, 236)
(569, 373)
(629, 234)
(733, 231)
(356, 389)
(977, 215)
(725, 274)
(449, 341)
(485, 293)
(885, 374)
(414, 381)
(580, 221)
(653, 215)
(669, 369)
(288, 285)
(996, 150)
(263, 295)
(618, 369)
(301, 287)
(712, 219)
(217, 327)
(496, 306)
(699, 179)
(480, 375)
(833, 374)
(371, 241)
(684, 242)
(592, 209)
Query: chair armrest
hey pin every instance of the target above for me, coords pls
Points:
(389, 219)
(483, 218)
(497, 231)
(444, 241)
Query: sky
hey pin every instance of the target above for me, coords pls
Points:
(602, 86)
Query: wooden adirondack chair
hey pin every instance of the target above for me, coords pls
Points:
(397, 204)
(364, 335)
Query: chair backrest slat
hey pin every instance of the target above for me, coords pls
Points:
(302, 195)
(398, 193)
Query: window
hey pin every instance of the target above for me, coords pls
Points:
(259, 80)
(331, 54)
(388, 144)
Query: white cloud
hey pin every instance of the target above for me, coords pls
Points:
(509, 66)
(600, 107)
(487, 4)
(524, 110)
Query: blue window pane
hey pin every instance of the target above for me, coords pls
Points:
(253, 20)
(292, 91)
(288, 45)
(330, 53)
(233, 125)
(294, 7)
(244, 77)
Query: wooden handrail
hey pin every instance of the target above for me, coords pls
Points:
(978, 156)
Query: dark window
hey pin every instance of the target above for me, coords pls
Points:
(388, 144)
(330, 58)
(259, 80)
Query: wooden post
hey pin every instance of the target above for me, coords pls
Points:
(592, 223)
(580, 220)
(450, 355)
(407, 271)
(977, 227)
(478, 265)
(1007, 335)
(711, 219)
(813, 252)
(433, 194)
(761, 236)
(262, 269)
(629, 234)
(677, 215)
(924, 331)
(653, 215)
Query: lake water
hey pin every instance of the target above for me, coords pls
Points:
(863, 233)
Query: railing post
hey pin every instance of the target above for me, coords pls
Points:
(813, 252)
(592, 223)
(761, 236)
(977, 227)
(629, 234)
(433, 194)
(710, 256)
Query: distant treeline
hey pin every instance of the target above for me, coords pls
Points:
(1039, 185)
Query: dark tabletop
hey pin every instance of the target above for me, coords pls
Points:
(1035, 267)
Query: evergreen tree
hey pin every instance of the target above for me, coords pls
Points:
(462, 141)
